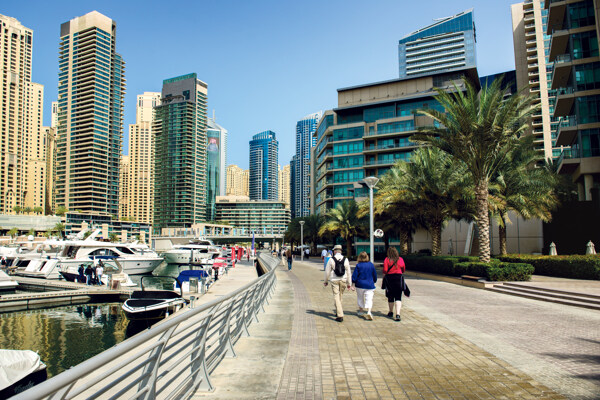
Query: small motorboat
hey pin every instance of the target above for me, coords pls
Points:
(153, 304)
(7, 284)
(19, 371)
(183, 279)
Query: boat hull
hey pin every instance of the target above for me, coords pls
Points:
(151, 309)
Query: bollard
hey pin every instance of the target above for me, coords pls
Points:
(193, 285)
(192, 300)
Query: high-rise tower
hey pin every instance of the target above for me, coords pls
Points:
(216, 158)
(180, 153)
(264, 149)
(284, 185)
(446, 45)
(305, 128)
(140, 178)
(91, 86)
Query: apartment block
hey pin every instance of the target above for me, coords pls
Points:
(284, 184)
(216, 162)
(237, 181)
(91, 87)
(124, 196)
(180, 141)
(264, 150)
(300, 180)
(261, 217)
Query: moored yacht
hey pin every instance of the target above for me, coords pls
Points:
(198, 251)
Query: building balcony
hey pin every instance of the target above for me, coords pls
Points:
(383, 147)
(556, 14)
(562, 71)
(580, 161)
(566, 132)
(558, 43)
(533, 57)
(380, 162)
(533, 67)
(565, 97)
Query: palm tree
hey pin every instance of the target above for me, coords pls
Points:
(344, 221)
(113, 237)
(520, 187)
(59, 228)
(478, 128)
(61, 210)
(17, 209)
(38, 210)
(312, 225)
(13, 232)
(292, 233)
(27, 210)
(432, 185)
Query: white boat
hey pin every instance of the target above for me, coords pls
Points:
(198, 251)
(153, 304)
(7, 284)
(113, 272)
(71, 253)
(19, 371)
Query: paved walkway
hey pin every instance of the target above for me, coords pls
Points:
(453, 342)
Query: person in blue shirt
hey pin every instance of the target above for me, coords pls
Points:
(363, 279)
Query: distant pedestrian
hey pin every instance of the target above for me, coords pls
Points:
(290, 257)
(81, 273)
(88, 274)
(393, 281)
(364, 278)
(338, 273)
(248, 254)
(100, 272)
(3, 262)
(306, 253)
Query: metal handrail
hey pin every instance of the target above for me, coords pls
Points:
(174, 358)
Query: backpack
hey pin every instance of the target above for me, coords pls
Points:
(340, 268)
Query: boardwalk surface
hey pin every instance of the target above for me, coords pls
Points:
(452, 342)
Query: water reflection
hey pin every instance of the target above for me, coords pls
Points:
(64, 336)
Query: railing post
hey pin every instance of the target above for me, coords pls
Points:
(152, 367)
(198, 367)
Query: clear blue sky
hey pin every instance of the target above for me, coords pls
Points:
(267, 63)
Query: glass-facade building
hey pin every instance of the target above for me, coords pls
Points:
(300, 180)
(446, 45)
(365, 136)
(576, 78)
(264, 149)
(91, 87)
(180, 149)
(260, 217)
(216, 159)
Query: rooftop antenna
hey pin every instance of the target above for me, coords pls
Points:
(214, 115)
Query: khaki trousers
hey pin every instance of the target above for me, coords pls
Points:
(338, 287)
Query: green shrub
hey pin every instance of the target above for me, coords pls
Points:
(504, 271)
(457, 266)
(574, 266)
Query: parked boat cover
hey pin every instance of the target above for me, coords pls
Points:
(16, 365)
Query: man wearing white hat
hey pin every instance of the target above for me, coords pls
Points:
(338, 273)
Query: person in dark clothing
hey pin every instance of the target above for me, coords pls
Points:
(81, 277)
(88, 274)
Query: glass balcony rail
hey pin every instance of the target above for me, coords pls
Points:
(532, 57)
(390, 146)
(571, 120)
(323, 156)
(534, 65)
(534, 73)
(572, 153)
(410, 129)
(532, 81)
(532, 41)
(564, 90)
(382, 162)
(561, 58)
(529, 26)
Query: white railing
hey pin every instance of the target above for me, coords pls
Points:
(173, 359)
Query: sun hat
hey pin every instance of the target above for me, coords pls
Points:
(337, 247)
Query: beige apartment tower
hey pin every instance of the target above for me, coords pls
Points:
(237, 181)
(533, 72)
(22, 155)
(137, 191)
(50, 134)
(284, 185)
(124, 181)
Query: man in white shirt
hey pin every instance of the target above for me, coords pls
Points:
(324, 258)
(339, 283)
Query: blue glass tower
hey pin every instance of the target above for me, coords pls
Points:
(300, 180)
(446, 45)
(264, 149)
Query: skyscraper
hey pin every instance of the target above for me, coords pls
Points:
(124, 182)
(264, 149)
(446, 45)
(91, 86)
(140, 177)
(237, 181)
(54, 119)
(180, 153)
(534, 71)
(22, 161)
(216, 159)
(305, 128)
(284, 185)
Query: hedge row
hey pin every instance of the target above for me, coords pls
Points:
(575, 266)
(457, 266)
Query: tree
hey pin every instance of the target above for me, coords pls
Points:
(312, 225)
(520, 187)
(38, 210)
(31, 232)
(478, 128)
(59, 229)
(27, 210)
(344, 221)
(113, 237)
(48, 233)
(61, 211)
(13, 232)
(17, 209)
(292, 233)
(431, 187)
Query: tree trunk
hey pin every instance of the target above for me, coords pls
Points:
(502, 233)
(404, 237)
(349, 246)
(386, 243)
(436, 239)
(483, 221)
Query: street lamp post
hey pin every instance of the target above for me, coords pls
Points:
(370, 182)
(301, 240)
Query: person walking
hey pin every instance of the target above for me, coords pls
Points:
(100, 272)
(363, 280)
(306, 253)
(325, 258)
(88, 274)
(393, 281)
(338, 273)
(290, 257)
(81, 273)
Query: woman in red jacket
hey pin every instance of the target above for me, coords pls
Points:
(393, 268)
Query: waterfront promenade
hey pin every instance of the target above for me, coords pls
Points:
(453, 342)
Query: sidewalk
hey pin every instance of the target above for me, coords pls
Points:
(299, 351)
